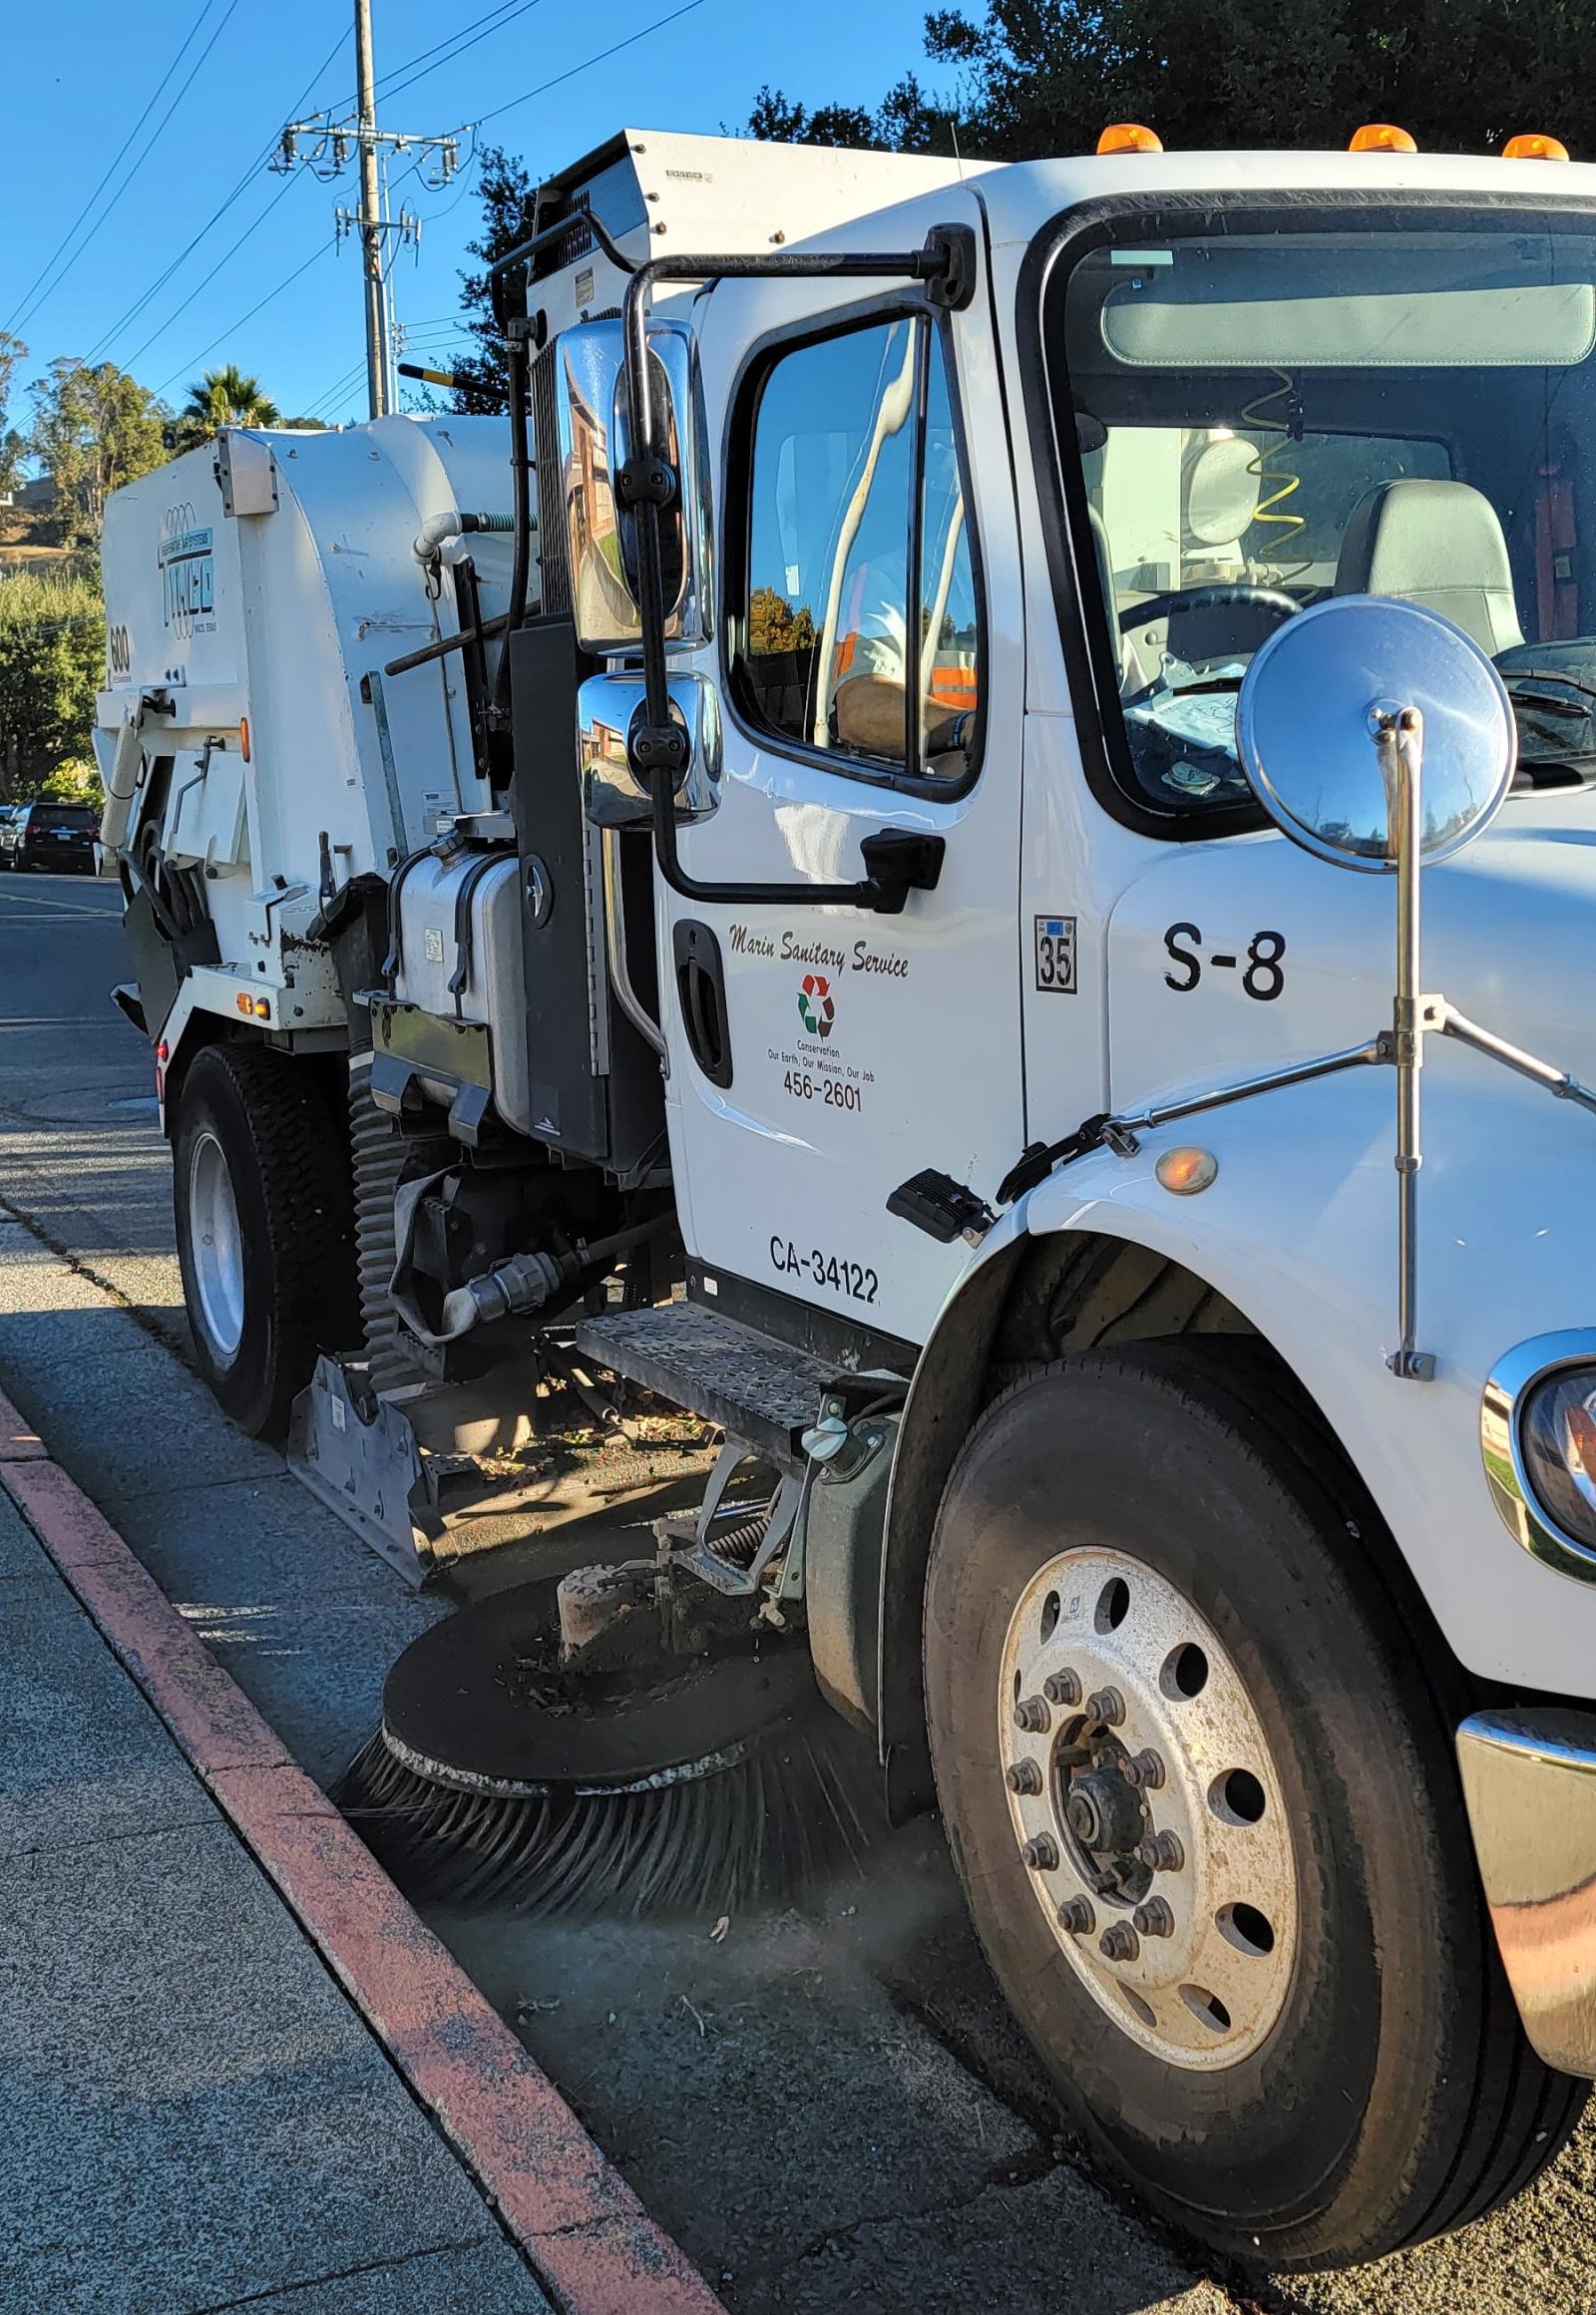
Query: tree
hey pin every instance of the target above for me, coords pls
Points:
(508, 196)
(52, 661)
(774, 625)
(224, 397)
(13, 446)
(93, 428)
(1043, 76)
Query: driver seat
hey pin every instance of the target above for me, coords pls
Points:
(1436, 543)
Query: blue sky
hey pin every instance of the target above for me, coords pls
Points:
(79, 79)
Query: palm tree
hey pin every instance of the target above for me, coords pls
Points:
(223, 397)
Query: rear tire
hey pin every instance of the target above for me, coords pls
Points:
(265, 1234)
(1360, 2080)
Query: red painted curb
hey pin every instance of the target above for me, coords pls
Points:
(579, 2222)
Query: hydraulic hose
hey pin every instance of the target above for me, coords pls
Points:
(517, 357)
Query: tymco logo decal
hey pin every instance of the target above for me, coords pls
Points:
(188, 573)
(815, 1008)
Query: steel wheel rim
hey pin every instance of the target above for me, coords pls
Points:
(215, 1247)
(1163, 1828)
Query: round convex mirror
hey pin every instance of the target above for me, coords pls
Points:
(1304, 733)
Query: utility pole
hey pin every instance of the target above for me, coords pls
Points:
(325, 146)
(372, 219)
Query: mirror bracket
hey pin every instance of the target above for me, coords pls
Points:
(646, 479)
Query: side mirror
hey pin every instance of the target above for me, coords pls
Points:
(607, 708)
(593, 423)
(1380, 737)
(1310, 718)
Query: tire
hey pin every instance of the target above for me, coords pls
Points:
(265, 1232)
(1371, 2084)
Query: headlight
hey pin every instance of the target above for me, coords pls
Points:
(1538, 1438)
(1557, 1437)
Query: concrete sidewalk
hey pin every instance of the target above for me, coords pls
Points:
(194, 2115)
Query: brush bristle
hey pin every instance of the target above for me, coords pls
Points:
(799, 1806)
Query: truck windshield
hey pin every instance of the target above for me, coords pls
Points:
(1265, 418)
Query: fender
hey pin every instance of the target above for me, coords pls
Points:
(1299, 1233)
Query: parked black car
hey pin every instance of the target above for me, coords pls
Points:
(50, 836)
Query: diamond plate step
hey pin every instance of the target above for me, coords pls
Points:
(759, 1390)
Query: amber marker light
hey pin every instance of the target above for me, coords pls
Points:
(1129, 137)
(244, 737)
(1535, 148)
(1383, 137)
(1183, 1172)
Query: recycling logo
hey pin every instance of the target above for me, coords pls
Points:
(815, 1008)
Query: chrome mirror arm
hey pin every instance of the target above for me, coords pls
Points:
(1453, 1023)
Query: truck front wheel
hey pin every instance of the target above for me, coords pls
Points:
(1197, 1776)
(265, 1228)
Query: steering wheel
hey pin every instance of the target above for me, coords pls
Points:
(1211, 597)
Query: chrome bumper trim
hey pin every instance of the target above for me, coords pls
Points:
(1529, 1780)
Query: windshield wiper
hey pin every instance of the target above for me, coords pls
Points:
(1513, 676)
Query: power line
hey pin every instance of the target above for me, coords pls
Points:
(114, 161)
(109, 336)
(335, 393)
(149, 146)
(202, 286)
(456, 42)
(588, 63)
(503, 25)
(320, 250)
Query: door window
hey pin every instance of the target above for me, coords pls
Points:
(860, 627)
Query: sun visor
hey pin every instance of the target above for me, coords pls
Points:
(1242, 310)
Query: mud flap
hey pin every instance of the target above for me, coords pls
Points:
(358, 1455)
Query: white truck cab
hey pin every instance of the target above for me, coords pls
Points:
(777, 829)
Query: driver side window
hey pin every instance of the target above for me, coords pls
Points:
(859, 631)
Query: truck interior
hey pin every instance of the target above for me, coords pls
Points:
(1277, 418)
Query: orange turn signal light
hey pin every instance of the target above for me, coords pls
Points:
(1183, 1172)
(1129, 137)
(259, 1007)
(1535, 148)
(244, 737)
(1382, 137)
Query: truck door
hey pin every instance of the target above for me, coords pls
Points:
(820, 1055)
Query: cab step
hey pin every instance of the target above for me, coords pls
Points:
(760, 1392)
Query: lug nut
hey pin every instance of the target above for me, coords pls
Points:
(1120, 1942)
(1154, 1919)
(1033, 1714)
(1108, 1705)
(1161, 1853)
(1077, 1914)
(1024, 1777)
(1041, 1853)
(1063, 1688)
(1145, 1769)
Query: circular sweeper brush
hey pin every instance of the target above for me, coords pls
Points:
(671, 1760)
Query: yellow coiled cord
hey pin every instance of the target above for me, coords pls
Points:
(1276, 483)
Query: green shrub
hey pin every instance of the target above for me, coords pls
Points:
(52, 660)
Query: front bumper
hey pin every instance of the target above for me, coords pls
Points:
(1529, 1780)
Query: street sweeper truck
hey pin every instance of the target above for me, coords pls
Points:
(965, 849)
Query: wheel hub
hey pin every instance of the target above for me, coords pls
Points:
(1146, 1807)
(215, 1246)
(1106, 1817)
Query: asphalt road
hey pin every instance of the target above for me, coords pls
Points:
(827, 2108)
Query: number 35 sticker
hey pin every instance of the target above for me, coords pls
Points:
(1055, 955)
